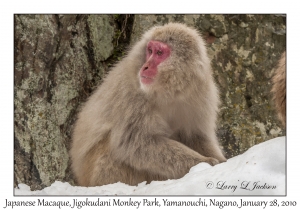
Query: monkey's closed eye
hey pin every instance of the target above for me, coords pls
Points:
(159, 52)
(150, 51)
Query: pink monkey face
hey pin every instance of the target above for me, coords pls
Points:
(156, 53)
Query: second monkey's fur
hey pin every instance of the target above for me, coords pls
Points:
(279, 88)
(131, 134)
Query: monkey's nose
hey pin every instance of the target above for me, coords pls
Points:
(145, 68)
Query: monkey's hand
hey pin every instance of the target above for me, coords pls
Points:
(212, 161)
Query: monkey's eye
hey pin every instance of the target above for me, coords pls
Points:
(159, 52)
(150, 51)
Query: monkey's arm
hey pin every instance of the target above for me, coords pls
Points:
(203, 144)
(160, 155)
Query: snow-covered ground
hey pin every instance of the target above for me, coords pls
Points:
(259, 171)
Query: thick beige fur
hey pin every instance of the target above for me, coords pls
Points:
(130, 133)
(279, 89)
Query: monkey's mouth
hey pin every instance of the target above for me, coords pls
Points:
(146, 80)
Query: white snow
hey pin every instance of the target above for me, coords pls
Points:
(263, 166)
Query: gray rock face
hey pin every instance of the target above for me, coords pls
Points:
(58, 61)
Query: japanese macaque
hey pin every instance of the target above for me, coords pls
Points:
(154, 115)
(279, 89)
